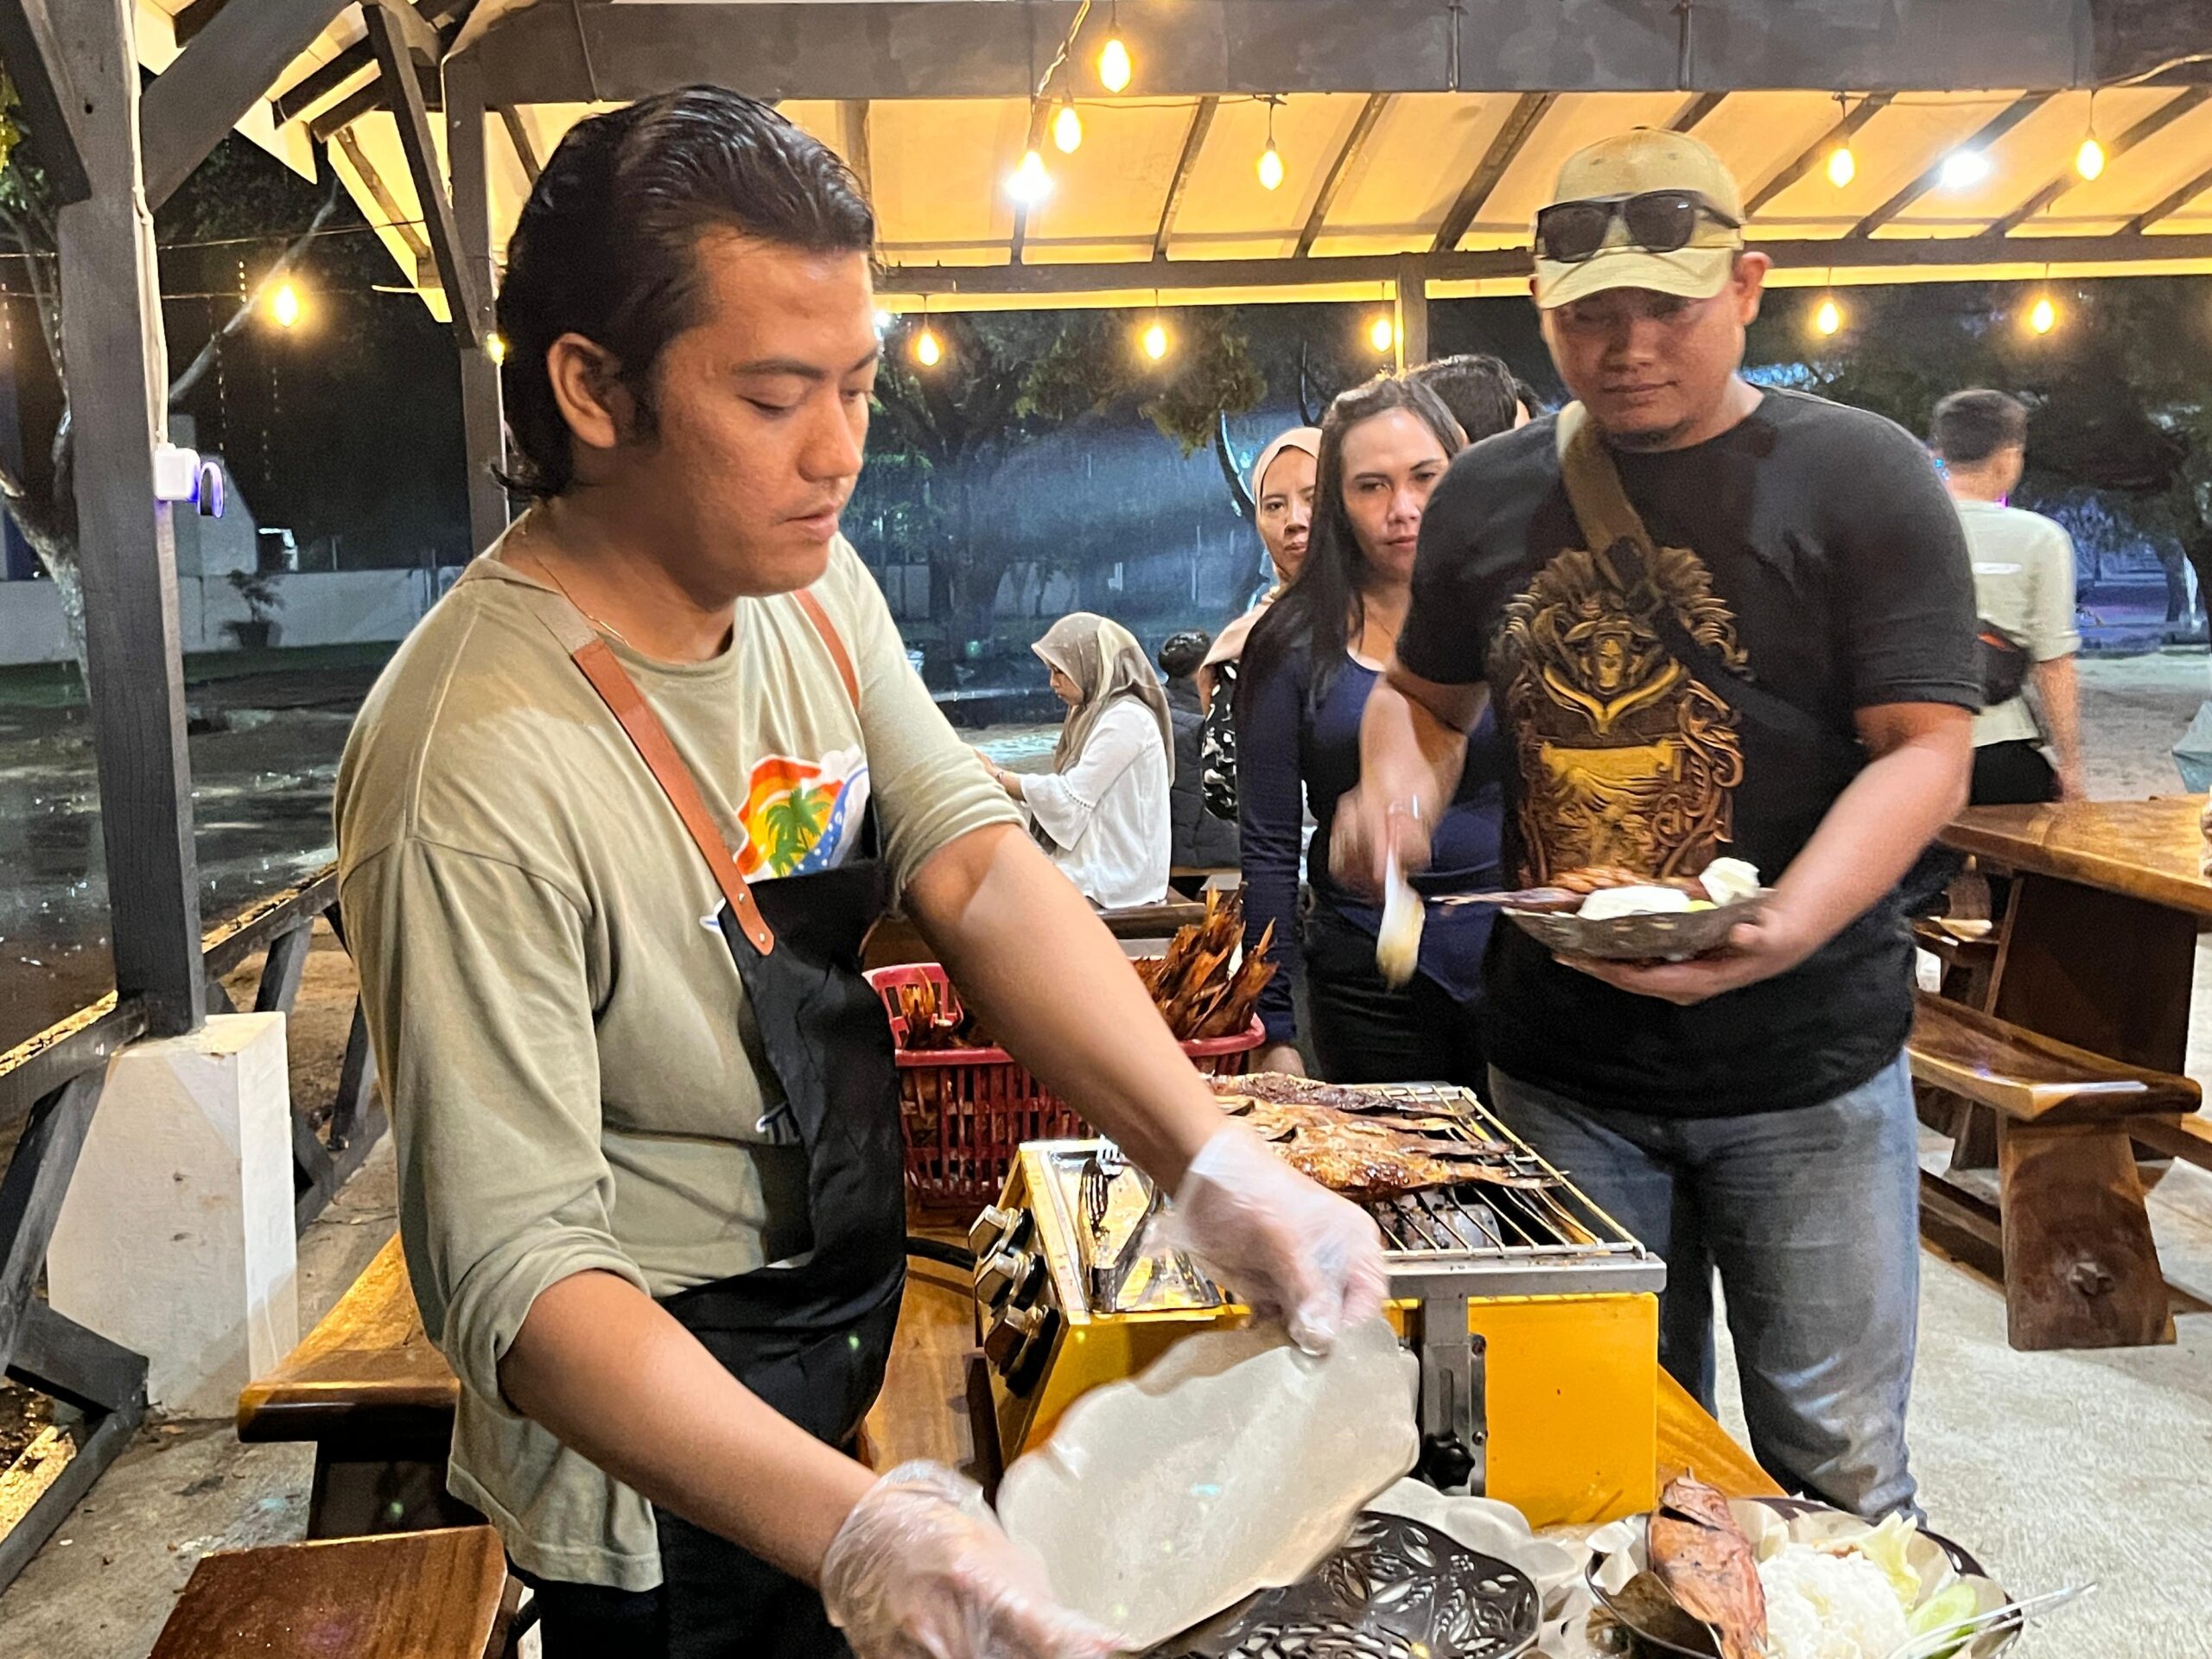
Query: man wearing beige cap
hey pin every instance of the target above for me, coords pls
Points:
(1719, 620)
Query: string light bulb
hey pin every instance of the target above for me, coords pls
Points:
(1271, 158)
(1963, 169)
(1828, 318)
(2043, 316)
(2090, 160)
(927, 352)
(1031, 183)
(495, 347)
(1843, 166)
(1114, 67)
(1154, 340)
(1067, 128)
(1383, 332)
(284, 305)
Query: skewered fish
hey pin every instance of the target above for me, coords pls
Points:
(1702, 1557)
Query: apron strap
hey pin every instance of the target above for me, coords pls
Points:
(600, 666)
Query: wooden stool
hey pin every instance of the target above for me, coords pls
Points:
(2081, 1267)
(413, 1595)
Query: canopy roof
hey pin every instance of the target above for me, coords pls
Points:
(1407, 128)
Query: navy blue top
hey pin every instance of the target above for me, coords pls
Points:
(1293, 755)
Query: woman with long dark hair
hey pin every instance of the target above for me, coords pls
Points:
(1311, 663)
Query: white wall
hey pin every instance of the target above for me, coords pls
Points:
(321, 607)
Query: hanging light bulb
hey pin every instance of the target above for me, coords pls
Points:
(1271, 167)
(2043, 316)
(1031, 183)
(284, 305)
(927, 352)
(1114, 65)
(1154, 340)
(1383, 332)
(1067, 128)
(2090, 160)
(1963, 169)
(495, 347)
(1843, 166)
(1828, 318)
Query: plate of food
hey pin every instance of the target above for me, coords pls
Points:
(1620, 916)
(1784, 1579)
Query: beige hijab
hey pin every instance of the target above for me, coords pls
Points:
(1105, 661)
(1228, 645)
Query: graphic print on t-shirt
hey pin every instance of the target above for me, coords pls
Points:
(1625, 757)
(798, 814)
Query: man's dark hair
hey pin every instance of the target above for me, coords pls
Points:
(1181, 653)
(1973, 425)
(606, 245)
(1477, 388)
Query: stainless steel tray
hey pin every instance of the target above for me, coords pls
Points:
(1668, 936)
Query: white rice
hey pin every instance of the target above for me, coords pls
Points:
(1823, 1606)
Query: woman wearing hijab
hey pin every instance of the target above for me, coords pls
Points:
(1283, 510)
(1102, 813)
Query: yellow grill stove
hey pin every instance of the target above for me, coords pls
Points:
(1533, 1314)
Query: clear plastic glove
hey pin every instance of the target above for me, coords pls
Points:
(1288, 1247)
(920, 1570)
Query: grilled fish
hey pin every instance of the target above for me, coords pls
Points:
(1702, 1557)
(1367, 1173)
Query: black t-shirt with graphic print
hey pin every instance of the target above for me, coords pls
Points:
(1812, 547)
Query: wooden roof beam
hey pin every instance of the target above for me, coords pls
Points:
(227, 70)
(2170, 206)
(1520, 123)
(1362, 129)
(1194, 140)
(395, 217)
(852, 128)
(1695, 110)
(1987, 134)
(2157, 121)
(396, 62)
(1037, 117)
(518, 137)
(1842, 133)
(53, 111)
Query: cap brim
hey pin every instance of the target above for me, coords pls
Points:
(1692, 273)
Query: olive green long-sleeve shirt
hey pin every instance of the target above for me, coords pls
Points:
(573, 1076)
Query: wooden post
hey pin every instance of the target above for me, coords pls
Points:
(118, 386)
(1412, 312)
(483, 426)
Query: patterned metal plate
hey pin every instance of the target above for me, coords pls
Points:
(1395, 1590)
(1667, 935)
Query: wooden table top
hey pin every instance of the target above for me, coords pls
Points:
(401, 1595)
(366, 1368)
(2143, 849)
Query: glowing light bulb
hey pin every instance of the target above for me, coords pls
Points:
(1828, 318)
(1114, 65)
(1271, 167)
(1843, 166)
(2044, 316)
(1031, 183)
(2090, 160)
(1963, 169)
(284, 306)
(1067, 130)
(495, 347)
(1382, 334)
(1156, 342)
(927, 352)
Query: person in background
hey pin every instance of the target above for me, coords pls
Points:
(1478, 389)
(1311, 661)
(1790, 679)
(1101, 812)
(1199, 840)
(1282, 511)
(2023, 588)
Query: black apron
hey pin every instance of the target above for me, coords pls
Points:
(812, 1339)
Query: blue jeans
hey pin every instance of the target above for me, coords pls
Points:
(1813, 1219)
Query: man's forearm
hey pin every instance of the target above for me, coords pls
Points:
(2060, 688)
(1875, 830)
(1407, 754)
(612, 1375)
(1055, 989)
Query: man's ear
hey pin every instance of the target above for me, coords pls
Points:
(587, 386)
(1748, 281)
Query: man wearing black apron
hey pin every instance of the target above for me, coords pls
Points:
(612, 828)
(1716, 621)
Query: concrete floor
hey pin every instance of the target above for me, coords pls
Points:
(2053, 1467)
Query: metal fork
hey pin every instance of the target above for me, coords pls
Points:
(1928, 1643)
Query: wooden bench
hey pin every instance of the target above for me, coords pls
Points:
(2079, 1264)
(367, 1387)
(420, 1595)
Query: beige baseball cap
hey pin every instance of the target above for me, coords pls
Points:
(1628, 165)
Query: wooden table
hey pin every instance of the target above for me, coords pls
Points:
(2097, 948)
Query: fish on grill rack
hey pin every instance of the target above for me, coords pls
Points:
(1367, 1145)
(1367, 1172)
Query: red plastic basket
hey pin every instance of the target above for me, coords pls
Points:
(965, 1110)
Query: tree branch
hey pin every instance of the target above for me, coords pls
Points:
(197, 369)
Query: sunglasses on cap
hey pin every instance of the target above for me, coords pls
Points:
(1658, 222)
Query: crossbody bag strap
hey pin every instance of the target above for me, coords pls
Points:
(1616, 533)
